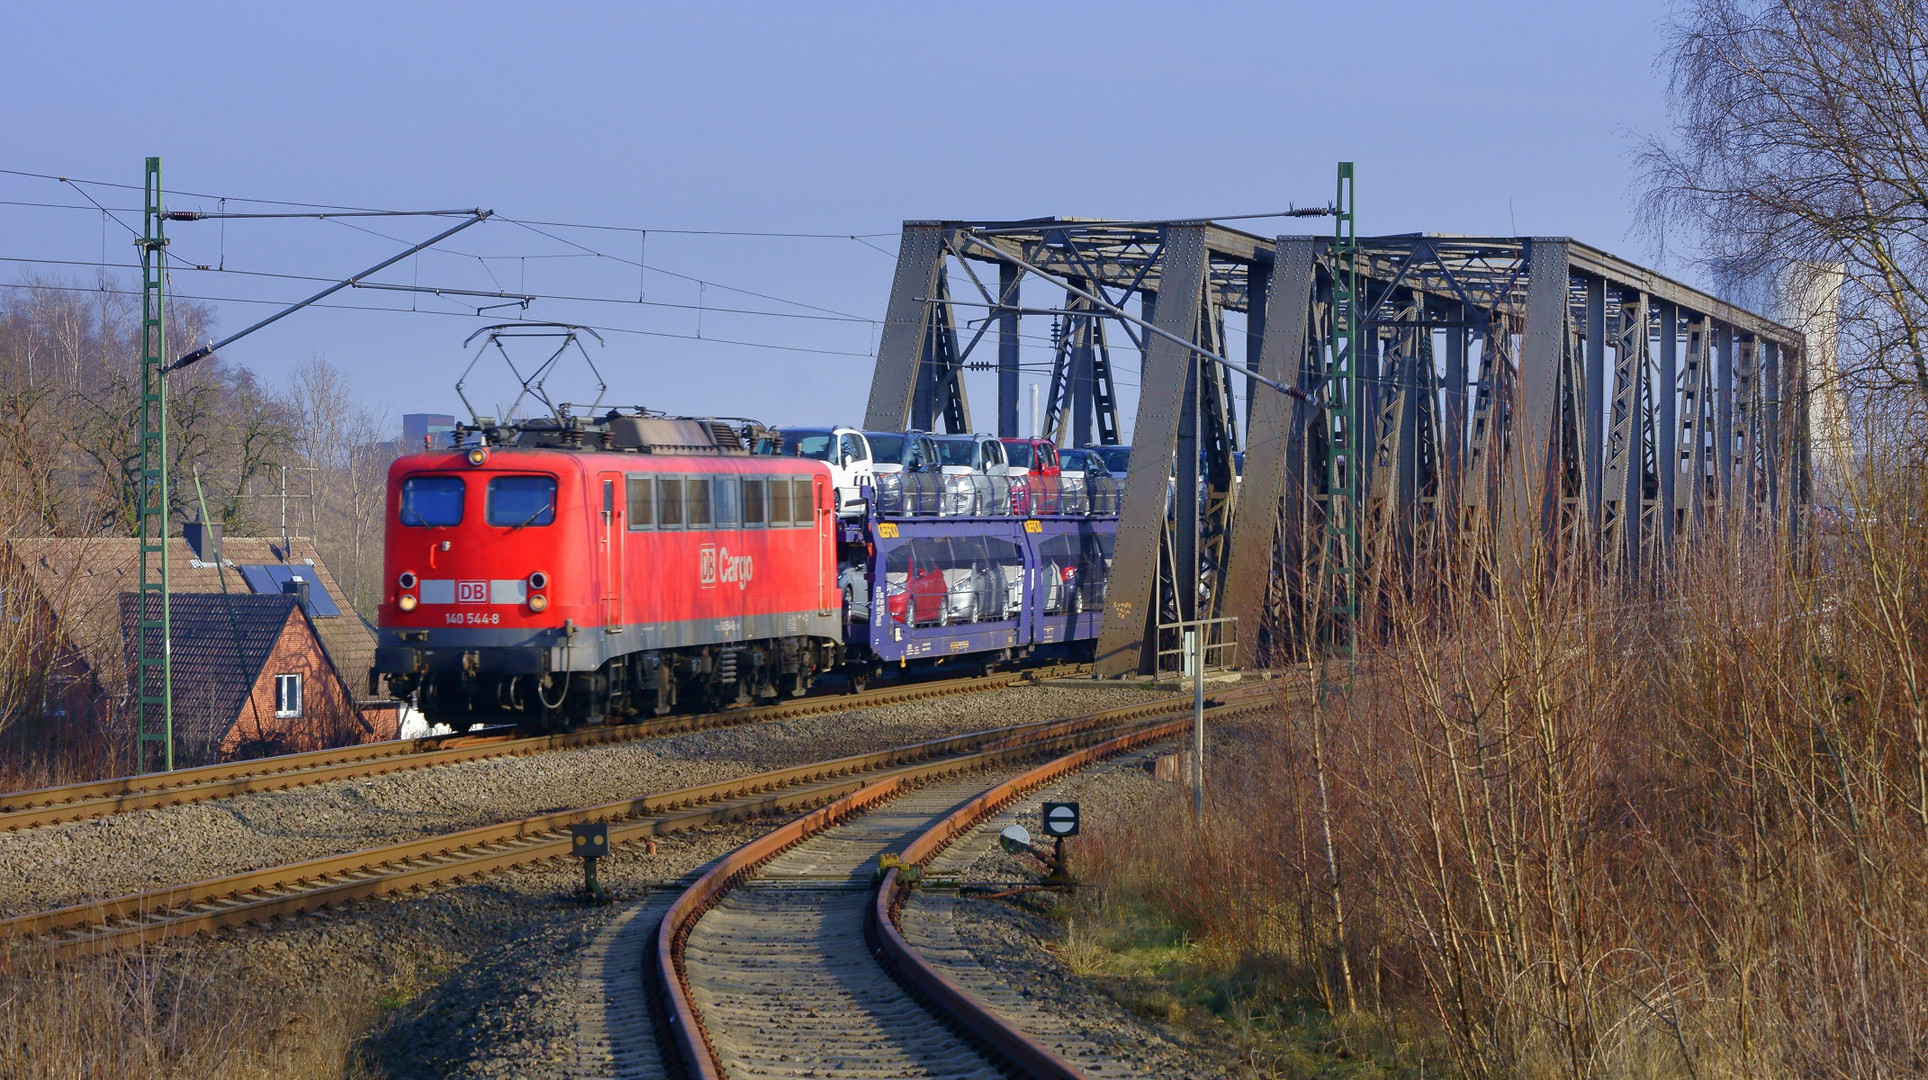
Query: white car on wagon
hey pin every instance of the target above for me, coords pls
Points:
(847, 453)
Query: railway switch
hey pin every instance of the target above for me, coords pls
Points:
(589, 842)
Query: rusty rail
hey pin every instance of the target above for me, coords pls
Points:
(80, 802)
(687, 1036)
(1030, 1057)
(693, 1050)
(252, 896)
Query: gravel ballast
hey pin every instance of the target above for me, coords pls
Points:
(481, 980)
(84, 862)
(997, 950)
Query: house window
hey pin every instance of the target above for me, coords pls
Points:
(287, 695)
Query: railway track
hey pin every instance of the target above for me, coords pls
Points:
(254, 896)
(79, 802)
(785, 958)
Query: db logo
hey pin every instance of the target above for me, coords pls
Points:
(471, 592)
(713, 565)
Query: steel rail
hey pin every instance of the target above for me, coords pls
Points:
(80, 802)
(693, 1050)
(918, 975)
(252, 896)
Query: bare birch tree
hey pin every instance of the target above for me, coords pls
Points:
(1801, 135)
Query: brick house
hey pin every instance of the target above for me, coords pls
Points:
(251, 678)
(80, 590)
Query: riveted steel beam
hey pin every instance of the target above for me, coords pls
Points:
(1526, 487)
(1273, 470)
(900, 350)
(1132, 593)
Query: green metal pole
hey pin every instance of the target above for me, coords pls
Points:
(1345, 414)
(154, 673)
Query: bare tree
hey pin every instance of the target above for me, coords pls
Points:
(345, 447)
(1801, 135)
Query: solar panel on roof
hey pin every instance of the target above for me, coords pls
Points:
(272, 578)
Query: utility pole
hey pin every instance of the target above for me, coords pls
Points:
(154, 670)
(1345, 420)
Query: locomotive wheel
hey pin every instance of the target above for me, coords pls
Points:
(857, 680)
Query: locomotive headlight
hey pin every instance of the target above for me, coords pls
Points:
(538, 580)
(538, 602)
(478, 455)
(406, 602)
(406, 581)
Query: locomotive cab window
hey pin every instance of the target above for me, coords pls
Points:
(431, 501)
(642, 508)
(515, 501)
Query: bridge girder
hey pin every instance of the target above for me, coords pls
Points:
(1545, 393)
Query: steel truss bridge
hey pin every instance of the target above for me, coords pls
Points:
(1537, 392)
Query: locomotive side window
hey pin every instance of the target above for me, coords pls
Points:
(725, 502)
(696, 499)
(779, 502)
(753, 502)
(803, 503)
(431, 501)
(515, 501)
(669, 502)
(642, 508)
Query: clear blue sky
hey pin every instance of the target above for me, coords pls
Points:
(1497, 118)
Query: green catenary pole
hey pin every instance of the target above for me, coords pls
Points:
(1345, 414)
(154, 673)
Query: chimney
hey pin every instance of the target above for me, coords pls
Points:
(205, 538)
(298, 586)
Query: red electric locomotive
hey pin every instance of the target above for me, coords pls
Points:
(566, 570)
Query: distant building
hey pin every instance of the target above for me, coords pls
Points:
(246, 612)
(250, 677)
(420, 426)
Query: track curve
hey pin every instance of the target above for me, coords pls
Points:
(779, 961)
(255, 896)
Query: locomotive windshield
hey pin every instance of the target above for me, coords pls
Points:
(431, 501)
(515, 501)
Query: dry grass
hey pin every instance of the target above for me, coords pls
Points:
(143, 1015)
(1583, 828)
